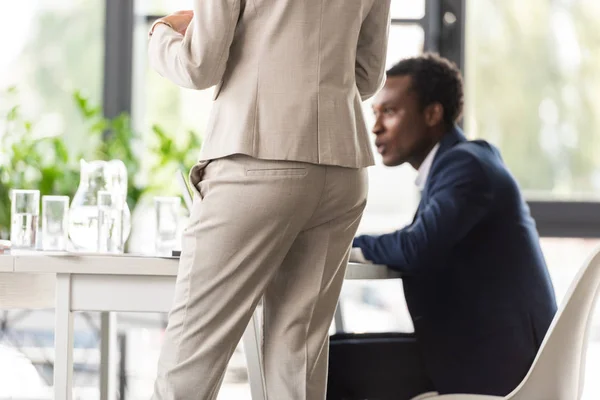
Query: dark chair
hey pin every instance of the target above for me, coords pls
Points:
(375, 366)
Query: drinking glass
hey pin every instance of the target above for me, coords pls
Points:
(110, 222)
(25, 210)
(167, 224)
(55, 223)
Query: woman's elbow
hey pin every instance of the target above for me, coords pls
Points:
(199, 81)
(369, 88)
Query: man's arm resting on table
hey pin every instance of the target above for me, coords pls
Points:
(456, 204)
(197, 59)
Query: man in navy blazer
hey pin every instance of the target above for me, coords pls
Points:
(475, 279)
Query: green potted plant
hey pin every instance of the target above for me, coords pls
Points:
(28, 161)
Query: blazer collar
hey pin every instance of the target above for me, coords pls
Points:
(454, 136)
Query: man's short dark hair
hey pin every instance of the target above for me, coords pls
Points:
(435, 80)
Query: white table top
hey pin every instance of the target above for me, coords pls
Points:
(86, 263)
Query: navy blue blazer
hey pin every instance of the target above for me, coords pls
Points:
(475, 280)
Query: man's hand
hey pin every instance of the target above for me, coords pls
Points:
(179, 20)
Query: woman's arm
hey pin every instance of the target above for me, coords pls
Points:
(197, 58)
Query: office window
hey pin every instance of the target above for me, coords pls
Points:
(51, 48)
(161, 7)
(533, 89)
(392, 196)
(156, 101)
(407, 9)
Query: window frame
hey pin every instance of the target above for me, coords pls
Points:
(118, 57)
(444, 28)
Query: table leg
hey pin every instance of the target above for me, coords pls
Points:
(252, 348)
(108, 351)
(63, 339)
(338, 320)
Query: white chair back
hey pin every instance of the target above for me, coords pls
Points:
(558, 370)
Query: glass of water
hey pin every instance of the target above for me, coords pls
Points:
(55, 223)
(167, 211)
(110, 222)
(25, 209)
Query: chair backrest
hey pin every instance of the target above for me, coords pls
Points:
(558, 370)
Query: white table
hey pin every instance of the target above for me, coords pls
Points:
(72, 282)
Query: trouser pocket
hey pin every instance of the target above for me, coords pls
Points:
(196, 175)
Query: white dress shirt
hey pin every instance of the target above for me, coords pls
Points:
(356, 254)
(423, 171)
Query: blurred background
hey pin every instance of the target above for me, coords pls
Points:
(74, 83)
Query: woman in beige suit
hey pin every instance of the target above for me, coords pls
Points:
(281, 184)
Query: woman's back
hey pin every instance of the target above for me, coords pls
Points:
(290, 76)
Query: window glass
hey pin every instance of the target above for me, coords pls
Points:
(50, 49)
(392, 196)
(408, 9)
(533, 89)
(161, 7)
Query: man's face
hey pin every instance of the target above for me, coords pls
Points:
(401, 132)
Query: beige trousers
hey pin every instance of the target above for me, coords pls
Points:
(279, 230)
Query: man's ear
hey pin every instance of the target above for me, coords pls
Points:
(434, 114)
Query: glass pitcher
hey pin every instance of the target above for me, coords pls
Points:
(96, 176)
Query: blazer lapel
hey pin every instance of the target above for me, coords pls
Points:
(449, 140)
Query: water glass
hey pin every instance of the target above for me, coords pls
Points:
(110, 222)
(25, 210)
(167, 211)
(55, 223)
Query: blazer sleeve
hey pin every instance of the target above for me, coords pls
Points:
(456, 203)
(371, 49)
(198, 59)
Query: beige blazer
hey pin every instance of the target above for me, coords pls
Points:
(290, 75)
